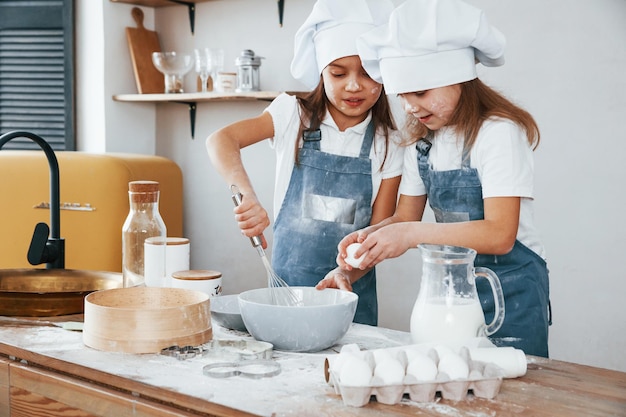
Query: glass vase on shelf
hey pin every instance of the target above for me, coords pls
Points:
(217, 62)
(203, 67)
(173, 66)
(208, 63)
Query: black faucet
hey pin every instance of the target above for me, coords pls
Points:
(45, 246)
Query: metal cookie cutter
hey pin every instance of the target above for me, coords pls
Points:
(223, 350)
(254, 369)
(238, 350)
(182, 353)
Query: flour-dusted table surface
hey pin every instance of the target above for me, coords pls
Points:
(550, 388)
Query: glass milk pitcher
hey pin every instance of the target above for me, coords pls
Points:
(447, 308)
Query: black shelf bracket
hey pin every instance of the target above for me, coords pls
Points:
(281, 10)
(192, 115)
(192, 12)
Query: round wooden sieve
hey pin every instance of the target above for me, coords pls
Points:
(146, 319)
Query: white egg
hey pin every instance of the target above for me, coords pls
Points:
(347, 351)
(355, 372)
(411, 353)
(350, 348)
(454, 365)
(390, 371)
(422, 367)
(381, 355)
(337, 362)
(475, 375)
(443, 350)
(350, 251)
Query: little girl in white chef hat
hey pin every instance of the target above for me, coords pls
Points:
(470, 155)
(338, 163)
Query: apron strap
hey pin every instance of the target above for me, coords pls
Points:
(311, 139)
(465, 162)
(368, 139)
(423, 146)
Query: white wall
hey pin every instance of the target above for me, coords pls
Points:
(565, 64)
(103, 69)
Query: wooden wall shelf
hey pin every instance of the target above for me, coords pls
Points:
(192, 99)
(191, 6)
(159, 3)
(198, 97)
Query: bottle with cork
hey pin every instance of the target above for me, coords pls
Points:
(143, 221)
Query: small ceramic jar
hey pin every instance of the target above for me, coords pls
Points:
(207, 281)
(159, 267)
(226, 82)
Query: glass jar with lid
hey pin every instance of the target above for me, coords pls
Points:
(143, 221)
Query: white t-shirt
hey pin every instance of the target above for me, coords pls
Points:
(285, 115)
(504, 161)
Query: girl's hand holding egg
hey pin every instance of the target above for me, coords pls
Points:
(350, 255)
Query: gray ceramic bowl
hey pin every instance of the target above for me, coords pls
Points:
(324, 318)
(225, 311)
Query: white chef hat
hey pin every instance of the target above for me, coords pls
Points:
(330, 33)
(429, 44)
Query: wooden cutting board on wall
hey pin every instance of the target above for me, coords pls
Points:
(141, 44)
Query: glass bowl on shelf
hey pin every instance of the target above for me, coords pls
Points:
(174, 66)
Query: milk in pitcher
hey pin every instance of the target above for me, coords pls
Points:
(446, 320)
(447, 308)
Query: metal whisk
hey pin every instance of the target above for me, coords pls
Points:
(280, 292)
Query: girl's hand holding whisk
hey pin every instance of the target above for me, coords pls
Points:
(251, 217)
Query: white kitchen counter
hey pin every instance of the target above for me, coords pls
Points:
(50, 368)
(300, 388)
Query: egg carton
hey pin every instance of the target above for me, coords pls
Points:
(483, 380)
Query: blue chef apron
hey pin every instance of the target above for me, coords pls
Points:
(456, 196)
(329, 196)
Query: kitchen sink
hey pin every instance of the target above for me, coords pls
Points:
(50, 292)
